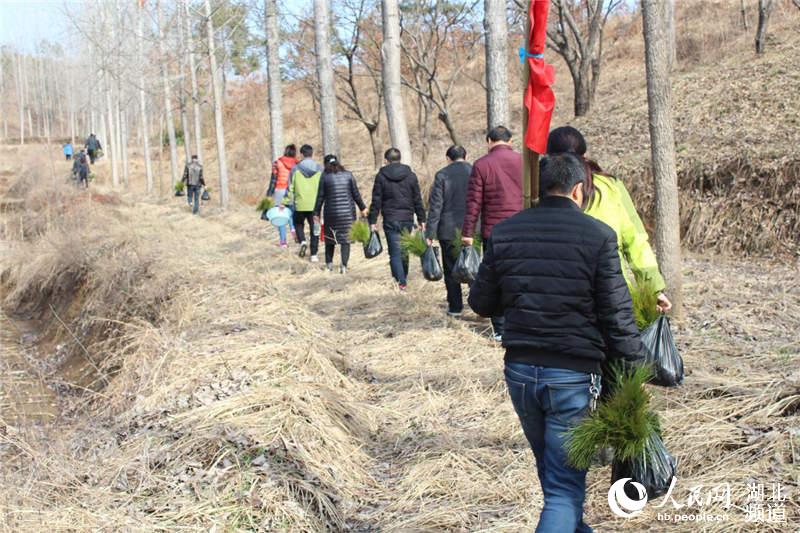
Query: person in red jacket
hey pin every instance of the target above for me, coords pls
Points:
(279, 184)
(494, 193)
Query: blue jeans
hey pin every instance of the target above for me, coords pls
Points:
(194, 192)
(399, 264)
(277, 198)
(548, 401)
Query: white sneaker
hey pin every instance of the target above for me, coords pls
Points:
(342, 269)
(314, 259)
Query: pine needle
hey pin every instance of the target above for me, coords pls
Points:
(360, 232)
(413, 243)
(179, 185)
(477, 243)
(265, 204)
(645, 298)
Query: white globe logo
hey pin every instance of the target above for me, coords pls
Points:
(619, 502)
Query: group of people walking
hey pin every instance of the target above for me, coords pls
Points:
(81, 161)
(554, 280)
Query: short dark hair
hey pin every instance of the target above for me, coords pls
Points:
(456, 152)
(559, 173)
(498, 133)
(290, 150)
(392, 155)
(332, 164)
(307, 150)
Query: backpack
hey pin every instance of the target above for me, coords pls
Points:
(194, 174)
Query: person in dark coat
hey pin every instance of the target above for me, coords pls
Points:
(337, 200)
(494, 193)
(446, 208)
(80, 169)
(92, 147)
(397, 197)
(554, 273)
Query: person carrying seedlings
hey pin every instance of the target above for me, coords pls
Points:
(92, 147)
(303, 188)
(279, 185)
(80, 169)
(446, 207)
(494, 193)
(67, 151)
(554, 274)
(396, 195)
(607, 199)
(339, 195)
(193, 178)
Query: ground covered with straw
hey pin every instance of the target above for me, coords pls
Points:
(225, 384)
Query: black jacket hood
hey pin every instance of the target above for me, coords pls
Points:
(396, 171)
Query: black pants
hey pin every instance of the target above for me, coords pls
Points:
(330, 248)
(300, 218)
(92, 156)
(68, 156)
(455, 301)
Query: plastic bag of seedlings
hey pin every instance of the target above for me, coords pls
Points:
(466, 267)
(373, 246)
(180, 192)
(663, 353)
(654, 469)
(205, 196)
(431, 269)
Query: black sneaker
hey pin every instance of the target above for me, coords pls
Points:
(303, 248)
(454, 314)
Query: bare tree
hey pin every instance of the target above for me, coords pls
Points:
(662, 148)
(392, 79)
(496, 27)
(20, 98)
(327, 91)
(173, 150)
(669, 20)
(577, 36)
(743, 11)
(274, 78)
(198, 133)
(148, 165)
(764, 11)
(216, 84)
(357, 46)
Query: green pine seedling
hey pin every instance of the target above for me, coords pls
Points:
(477, 243)
(265, 204)
(413, 243)
(179, 185)
(645, 298)
(623, 421)
(360, 232)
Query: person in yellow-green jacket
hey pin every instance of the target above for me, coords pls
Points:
(302, 196)
(607, 200)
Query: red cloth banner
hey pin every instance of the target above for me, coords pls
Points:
(539, 98)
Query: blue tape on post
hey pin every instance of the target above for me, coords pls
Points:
(523, 53)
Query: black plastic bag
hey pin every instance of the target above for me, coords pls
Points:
(373, 247)
(180, 193)
(264, 215)
(654, 469)
(466, 268)
(431, 269)
(663, 354)
(205, 196)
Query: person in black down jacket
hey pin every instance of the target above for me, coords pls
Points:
(446, 207)
(554, 274)
(338, 193)
(396, 195)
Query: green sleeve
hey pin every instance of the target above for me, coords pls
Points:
(636, 245)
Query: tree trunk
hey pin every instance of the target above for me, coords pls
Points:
(743, 11)
(377, 148)
(148, 164)
(444, 117)
(662, 149)
(327, 100)
(494, 23)
(187, 136)
(672, 46)
(110, 139)
(392, 89)
(220, 130)
(198, 132)
(20, 99)
(274, 79)
(583, 90)
(173, 149)
(764, 11)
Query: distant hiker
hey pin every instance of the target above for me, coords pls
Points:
(446, 208)
(554, 273)
(396, 195)
(92, 147)
(337, 201)
(494, 192)
(193, 178)
(279, 184)
(67, 151)
(80, 169)
(303, 189)
(607, 199)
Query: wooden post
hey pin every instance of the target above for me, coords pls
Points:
(530, 159)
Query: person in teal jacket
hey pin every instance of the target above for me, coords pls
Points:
(607, 200)
(302, 196)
